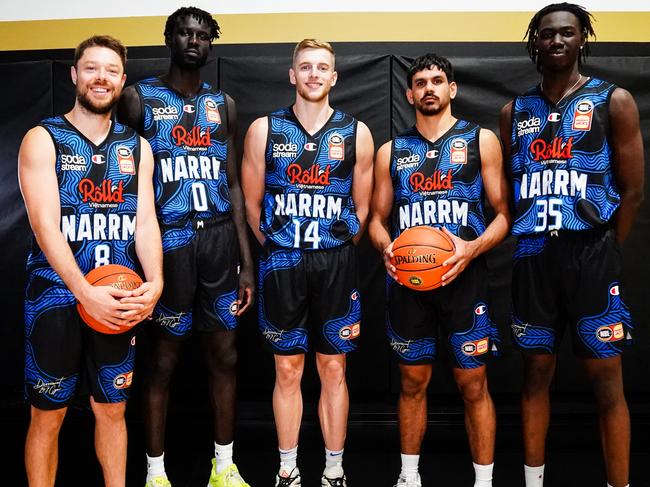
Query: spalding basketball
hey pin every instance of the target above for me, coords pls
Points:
(418, 254)
(117, 276)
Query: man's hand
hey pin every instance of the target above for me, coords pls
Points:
(145, 298)
(387, 254)
(465, 252)
(104, 304)
(246, 290)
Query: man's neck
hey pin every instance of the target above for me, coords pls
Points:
(185, 81)
(93, 126)
(432, 127)
(312, 115)
(558, 84)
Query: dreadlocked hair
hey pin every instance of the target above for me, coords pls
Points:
(584, 18)
(200, 15)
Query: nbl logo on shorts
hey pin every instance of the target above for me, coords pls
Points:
(610, 333)
(476, 347)
(123, 381)
(233, 308)
(350, 332)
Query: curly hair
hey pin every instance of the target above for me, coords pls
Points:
(200, 15)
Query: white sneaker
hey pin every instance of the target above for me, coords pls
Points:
(285, 478)
(409, 481)
(333, 477)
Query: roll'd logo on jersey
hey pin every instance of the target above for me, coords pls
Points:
(315, 175)
(193, 138)
(436, 182)
(106, 192)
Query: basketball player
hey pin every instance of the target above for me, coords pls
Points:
(87, 187)
(307, 178)
(191, 128)
(435, 174)
(576, 158)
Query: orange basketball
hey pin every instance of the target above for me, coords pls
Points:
(117, 276)
(418, 254)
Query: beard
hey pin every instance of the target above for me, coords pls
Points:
(98, 109)
(428, 110)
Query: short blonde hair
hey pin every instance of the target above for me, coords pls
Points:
(312, 44)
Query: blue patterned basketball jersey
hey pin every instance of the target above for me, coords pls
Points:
(438, 183)
(561, 160)
(188, 137)
(98, 190)
(308, 196)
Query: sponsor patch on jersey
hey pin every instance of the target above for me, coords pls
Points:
(475, 347)
(582, 115)
(104, 195)
(350, 332)
(125, 160)
(554, 117)
(189, 108)
(611, 333)
(316, 175)
(310, 146)
(123, 381)
(98, 159)
(529, 126)
(558, 150)
(212, 111)
(195, 139)
(289, 150)
(432, 154)
(164, 113)
(458, 151)
(336, 147)
(438, 181)
(73, 162)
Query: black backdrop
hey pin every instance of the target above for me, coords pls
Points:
(371, 86)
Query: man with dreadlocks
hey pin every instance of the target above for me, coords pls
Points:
(191, 128)
(576, 160)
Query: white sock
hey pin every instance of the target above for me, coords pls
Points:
(483, 475)
(332, 458)
(156, 467)
(534, 476)
(222, 455)
(409, 466)
(608, 485)
(288, 459)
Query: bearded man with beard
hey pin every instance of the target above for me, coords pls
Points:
(435, 174)
(63, 163)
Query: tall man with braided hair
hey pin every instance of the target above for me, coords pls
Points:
(307, 177)
(576, 158)
(191, 128)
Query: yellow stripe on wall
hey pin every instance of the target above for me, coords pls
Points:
(334, 27)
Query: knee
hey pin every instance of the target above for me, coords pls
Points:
(538, 376)
(413, 386)
(48, 421)
(161, 368)
(473, 390)
(288, 373)
(109, 413)
(225, 361)
(332, 373)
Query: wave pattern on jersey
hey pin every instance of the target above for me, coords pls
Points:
(561, 161)
(189, 141)
(410, 350)
(114, 380)
(308, 202)
(335, 330)
(223, 308)
(532, 337)
(415, 156)
(174, 322)
(176, 237)
(600, 332)
(466, 346)
(56, 389)
(52, 297)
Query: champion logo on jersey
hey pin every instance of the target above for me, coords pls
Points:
(459, 151)
(98, 159)
(336, 147)
(432, 154)
(105, 193)
(189, 108)
(125, 160)
(614, 290)
(164, 113)
(310, 146)
(73, 162)
(557, 150)
(554, 117)
(436, 182)
(582, 115)
(475, 347)
(480, 309)
(611, 333)
(212, 111)
(315, 175)
(193, 138)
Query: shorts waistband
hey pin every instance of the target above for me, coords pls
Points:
(570, 234)
(273, 246)
(199, 223)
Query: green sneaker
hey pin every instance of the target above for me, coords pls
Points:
(158, 482)
(228, 477)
